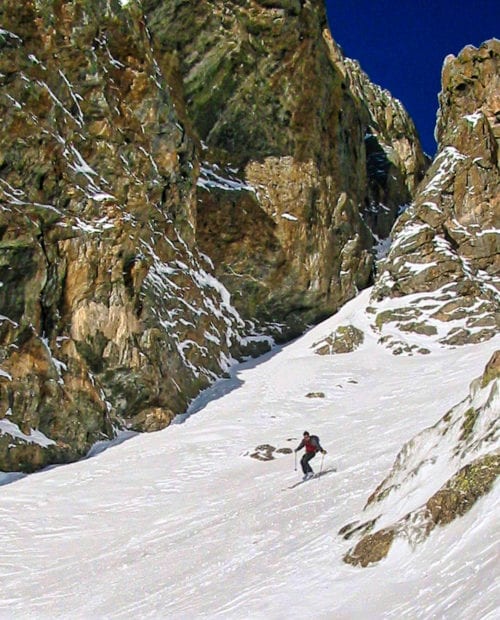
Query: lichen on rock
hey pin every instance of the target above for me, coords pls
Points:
(470, 450)
(345, 339)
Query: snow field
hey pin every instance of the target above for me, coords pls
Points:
(184, 524)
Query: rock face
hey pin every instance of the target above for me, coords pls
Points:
(110, 316)
(174, 175)
(301, 154)
(395, 163)
(442, 270)
(465, 441)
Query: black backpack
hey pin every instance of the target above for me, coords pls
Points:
(315, 439)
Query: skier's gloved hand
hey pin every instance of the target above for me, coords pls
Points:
(323, 451)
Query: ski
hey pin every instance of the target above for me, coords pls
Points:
(315, 477)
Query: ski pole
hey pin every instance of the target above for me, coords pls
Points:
(295, 463)
(321, 466)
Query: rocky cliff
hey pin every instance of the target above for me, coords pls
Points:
(440, 282)
(441, 276)
(303, 159)
(173, 177)
(110, 315)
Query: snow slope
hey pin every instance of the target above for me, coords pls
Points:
(183, 523)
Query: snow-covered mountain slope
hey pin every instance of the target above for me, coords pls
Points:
(184, 523)
(438, 475)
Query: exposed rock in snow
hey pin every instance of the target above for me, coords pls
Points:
(345, 339)
(438, 476)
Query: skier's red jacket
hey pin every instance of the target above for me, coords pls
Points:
(311, 444)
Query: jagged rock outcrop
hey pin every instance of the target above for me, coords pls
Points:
(298, 147)
(466, 441)
(110, 316)
(345, 339)
(395, 163)
(442, 271)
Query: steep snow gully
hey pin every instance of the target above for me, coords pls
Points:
(184, 523)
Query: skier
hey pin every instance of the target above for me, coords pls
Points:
(312, 445)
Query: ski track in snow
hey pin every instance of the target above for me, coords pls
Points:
(184, 524)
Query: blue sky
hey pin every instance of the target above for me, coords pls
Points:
(401, 45)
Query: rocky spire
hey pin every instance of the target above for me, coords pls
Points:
(444, 263)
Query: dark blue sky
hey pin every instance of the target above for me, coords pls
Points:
(401, 45)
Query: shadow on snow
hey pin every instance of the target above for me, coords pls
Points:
(224, 386)
(219, 389)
